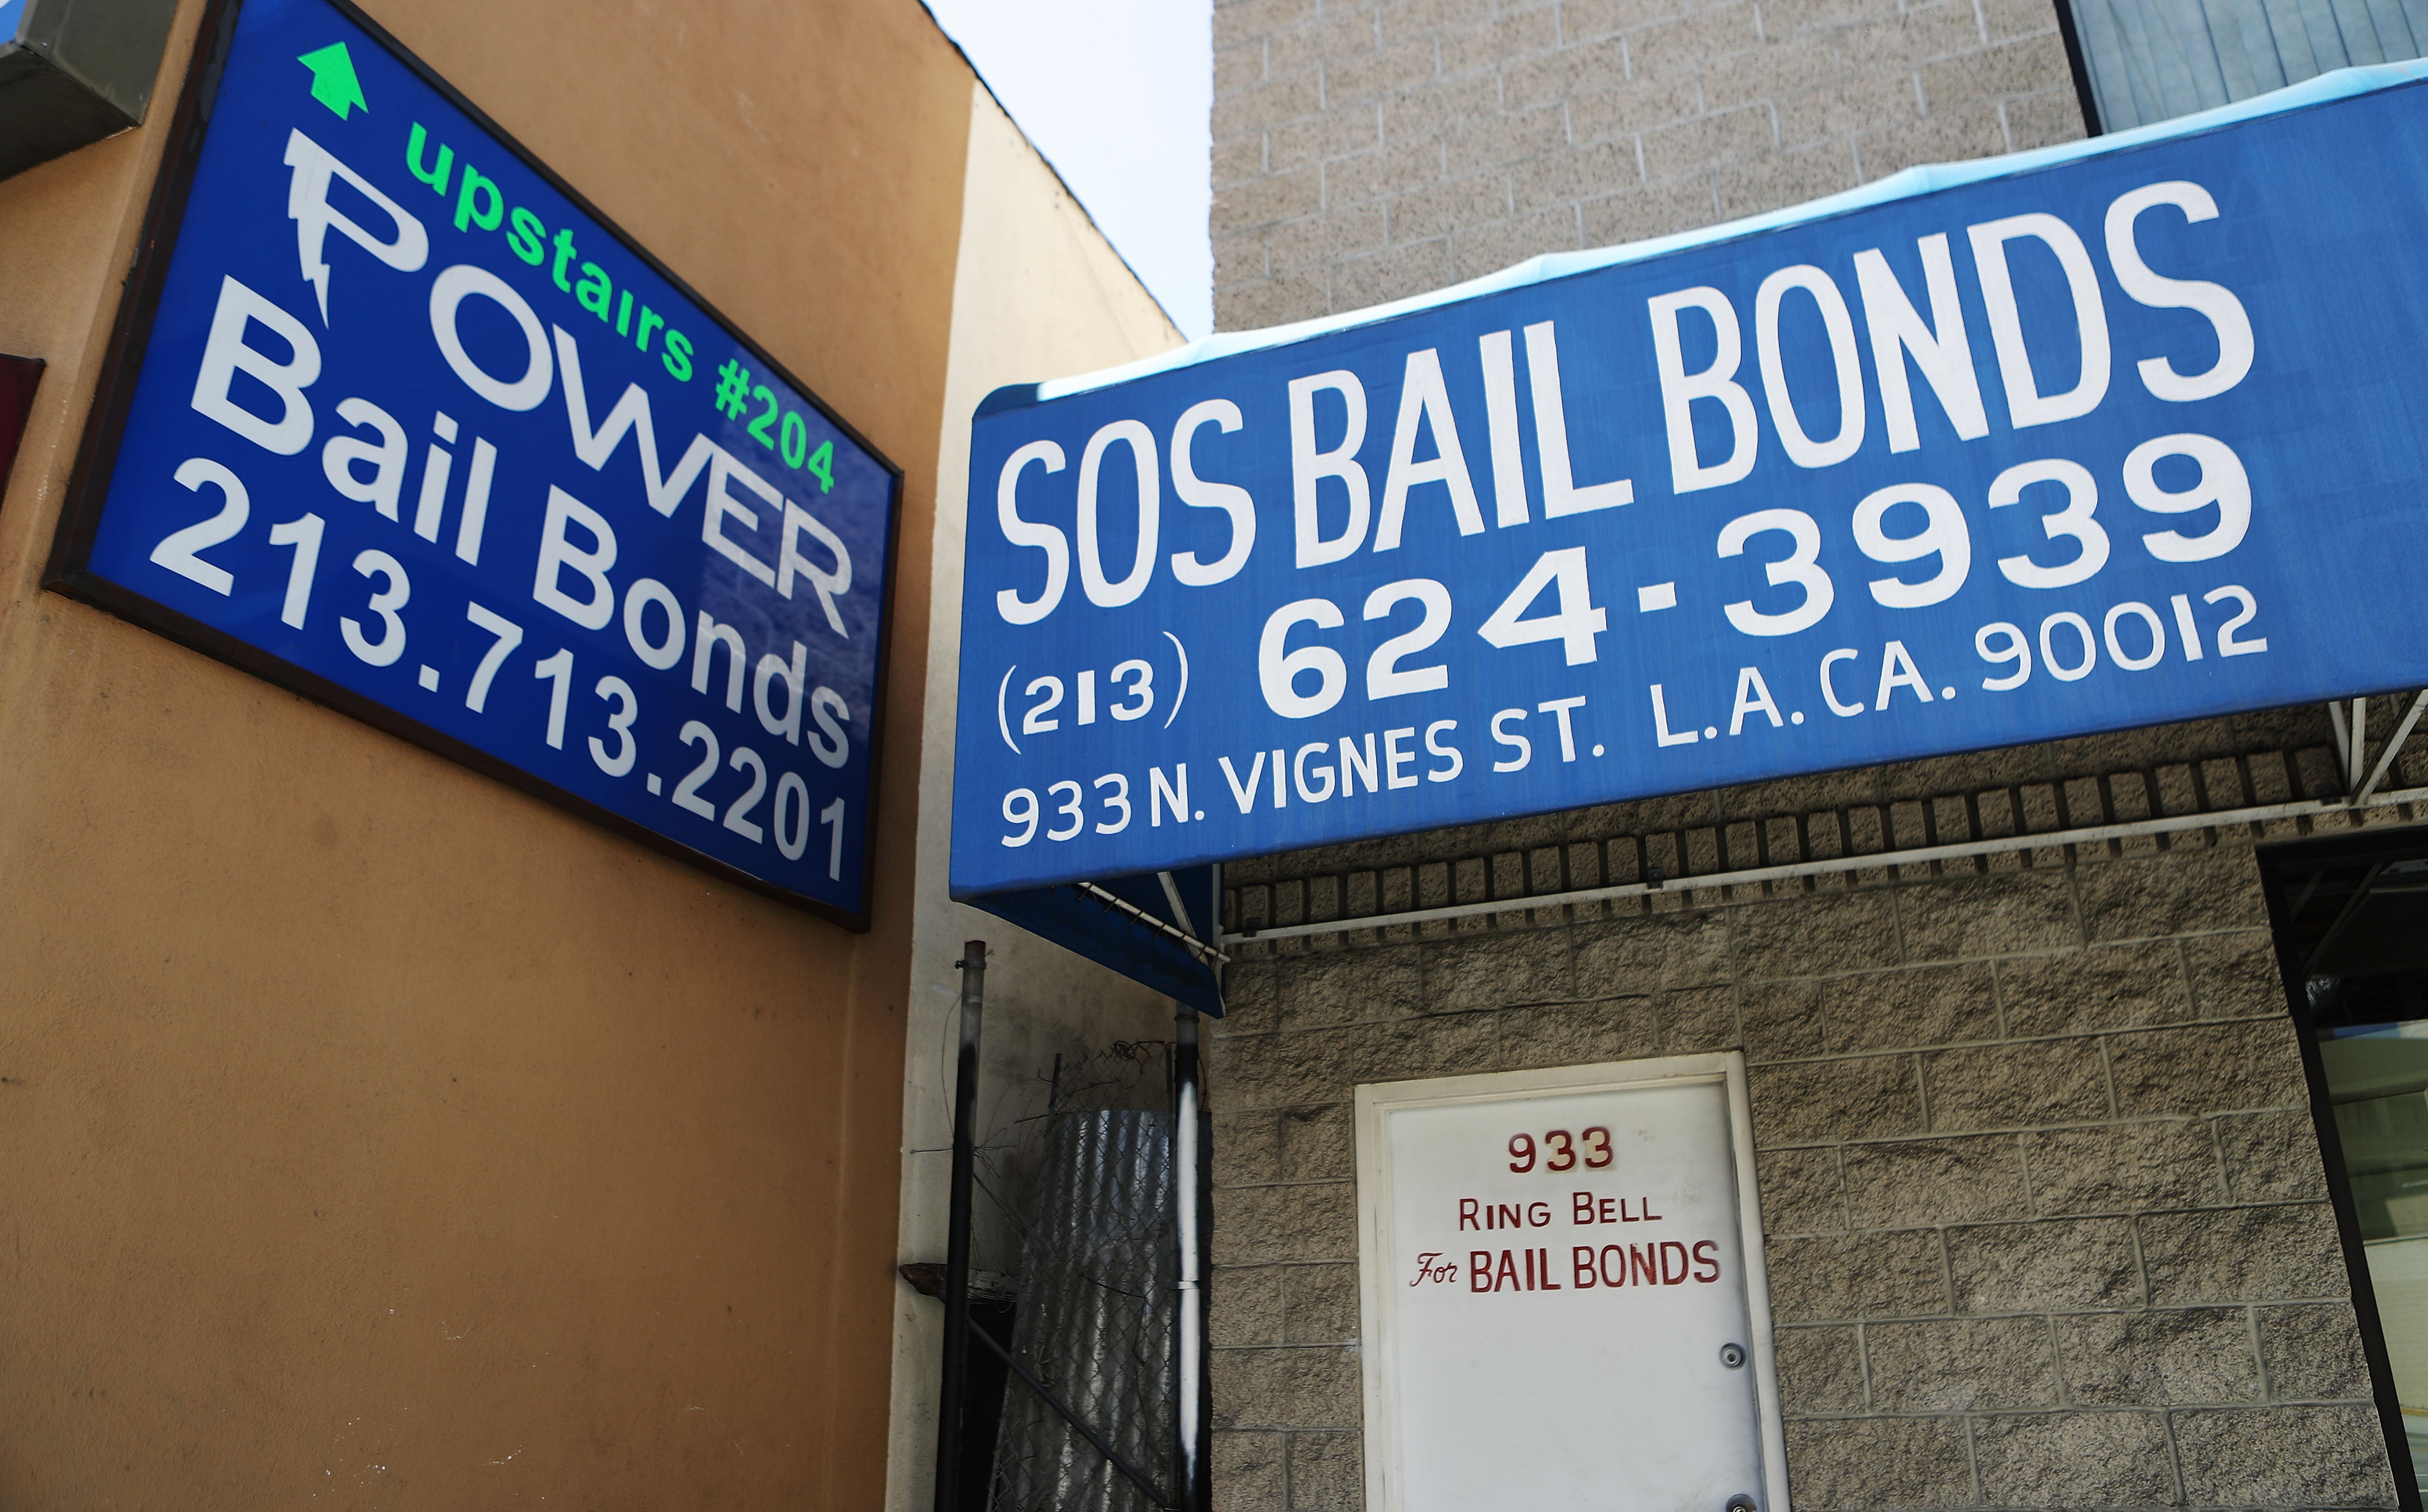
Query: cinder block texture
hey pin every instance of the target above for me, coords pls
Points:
(1365, 150)
(2047, 1219)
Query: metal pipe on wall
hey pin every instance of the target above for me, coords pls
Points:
(1189, 1422)
(949, 1388)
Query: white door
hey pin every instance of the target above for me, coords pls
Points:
(1564, 1304)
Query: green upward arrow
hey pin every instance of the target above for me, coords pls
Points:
(333, 79)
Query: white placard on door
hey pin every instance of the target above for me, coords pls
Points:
(1564, 1297)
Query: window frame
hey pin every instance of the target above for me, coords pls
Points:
(2078, 64)
(2278, 865)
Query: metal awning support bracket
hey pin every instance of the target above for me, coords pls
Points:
(1138, 916)
(1179, 909)
(2393, 747)
(2351, 738)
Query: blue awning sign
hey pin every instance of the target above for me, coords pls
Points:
(2084, 439)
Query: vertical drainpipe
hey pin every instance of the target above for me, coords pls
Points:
(956, 1243)
(1188, 1321)
(1193, 1407)
(1198, 1494)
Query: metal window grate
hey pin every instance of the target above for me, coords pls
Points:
(1591, 863)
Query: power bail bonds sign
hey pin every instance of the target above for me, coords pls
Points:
(398, 420)
(2105, 436)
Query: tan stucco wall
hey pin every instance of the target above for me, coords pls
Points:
(375, 1135)
(1039, 294)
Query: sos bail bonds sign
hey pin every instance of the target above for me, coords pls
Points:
(2100, 436)
(396, 419)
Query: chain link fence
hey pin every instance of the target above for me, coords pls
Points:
(1088, 1187)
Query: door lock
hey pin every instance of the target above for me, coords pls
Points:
(1733, 1357)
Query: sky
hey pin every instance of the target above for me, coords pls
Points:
(1118, 94)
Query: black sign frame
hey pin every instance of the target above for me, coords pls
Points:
(113, 400)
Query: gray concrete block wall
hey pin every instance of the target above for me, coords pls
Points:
(1365, 150)
(2047, 1219)
(2046, 1215)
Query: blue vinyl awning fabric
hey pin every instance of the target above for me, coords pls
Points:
(1139, 940)
(1082, 920)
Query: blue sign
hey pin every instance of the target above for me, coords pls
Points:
(2112, 434)
(417, 433)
